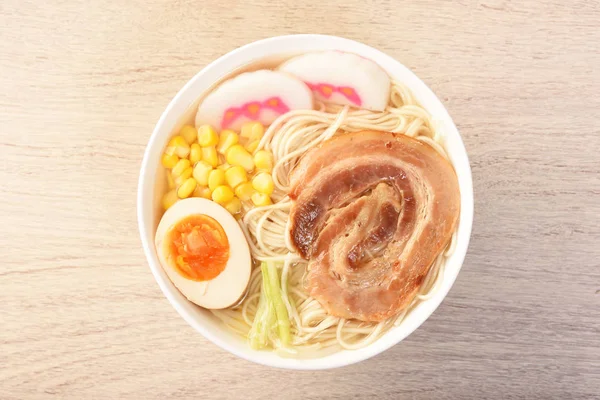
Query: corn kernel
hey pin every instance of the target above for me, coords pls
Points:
(202, 191)
(177, 145)
(244, 191)
(252, 131)
(169, 199)
(237, 155)
(184, 176)
(189, 133)
(187, 188)
(201, 171)
(195, 153)
(170, 181)
(252, 146)
(209, 154)
(261, 199)
(181, 166)
(234, 206)
(226, 140)
(224, 166)
(263, 182)
(222, 194)
(207, 136)
(169, 160)
(216, 178)
(235, 175)
(263, 159)
(171, 146)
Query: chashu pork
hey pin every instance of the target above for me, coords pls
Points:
(371, 212)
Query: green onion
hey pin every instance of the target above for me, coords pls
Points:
(271, 313)
(283, 321)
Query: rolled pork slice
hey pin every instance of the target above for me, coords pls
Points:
(371, 212)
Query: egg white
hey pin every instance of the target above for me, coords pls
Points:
(225, 289)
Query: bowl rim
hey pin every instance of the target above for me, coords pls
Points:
(308, 41)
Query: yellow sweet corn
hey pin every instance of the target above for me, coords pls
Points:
(195, 153)
(263, 182)
(226, 140)
(184, 176)
(169, 160)
(209, 154)
(186, 188)
(244, 191)
(252, 131)
(237, 155)
(224, 166)
(263, 160)
(201, 171)
(181, 166)
(189, 133)
(169, 199)
(234, 206)
(235, 175)
(202, 191)
(222, 195)
(216, 178)
(252, 146)
(261, 199)
(177, 145)
(207, 136)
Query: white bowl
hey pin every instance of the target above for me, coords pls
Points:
(182, 108)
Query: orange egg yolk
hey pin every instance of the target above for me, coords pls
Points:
(199, 246)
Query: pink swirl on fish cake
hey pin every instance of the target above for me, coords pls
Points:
(326, 90)
(252, 110)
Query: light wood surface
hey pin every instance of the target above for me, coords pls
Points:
(82, 85)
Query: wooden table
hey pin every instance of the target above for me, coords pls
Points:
(82, 85)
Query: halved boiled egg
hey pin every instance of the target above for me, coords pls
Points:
(204, 252)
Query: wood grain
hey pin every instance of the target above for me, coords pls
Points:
(83, 83)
